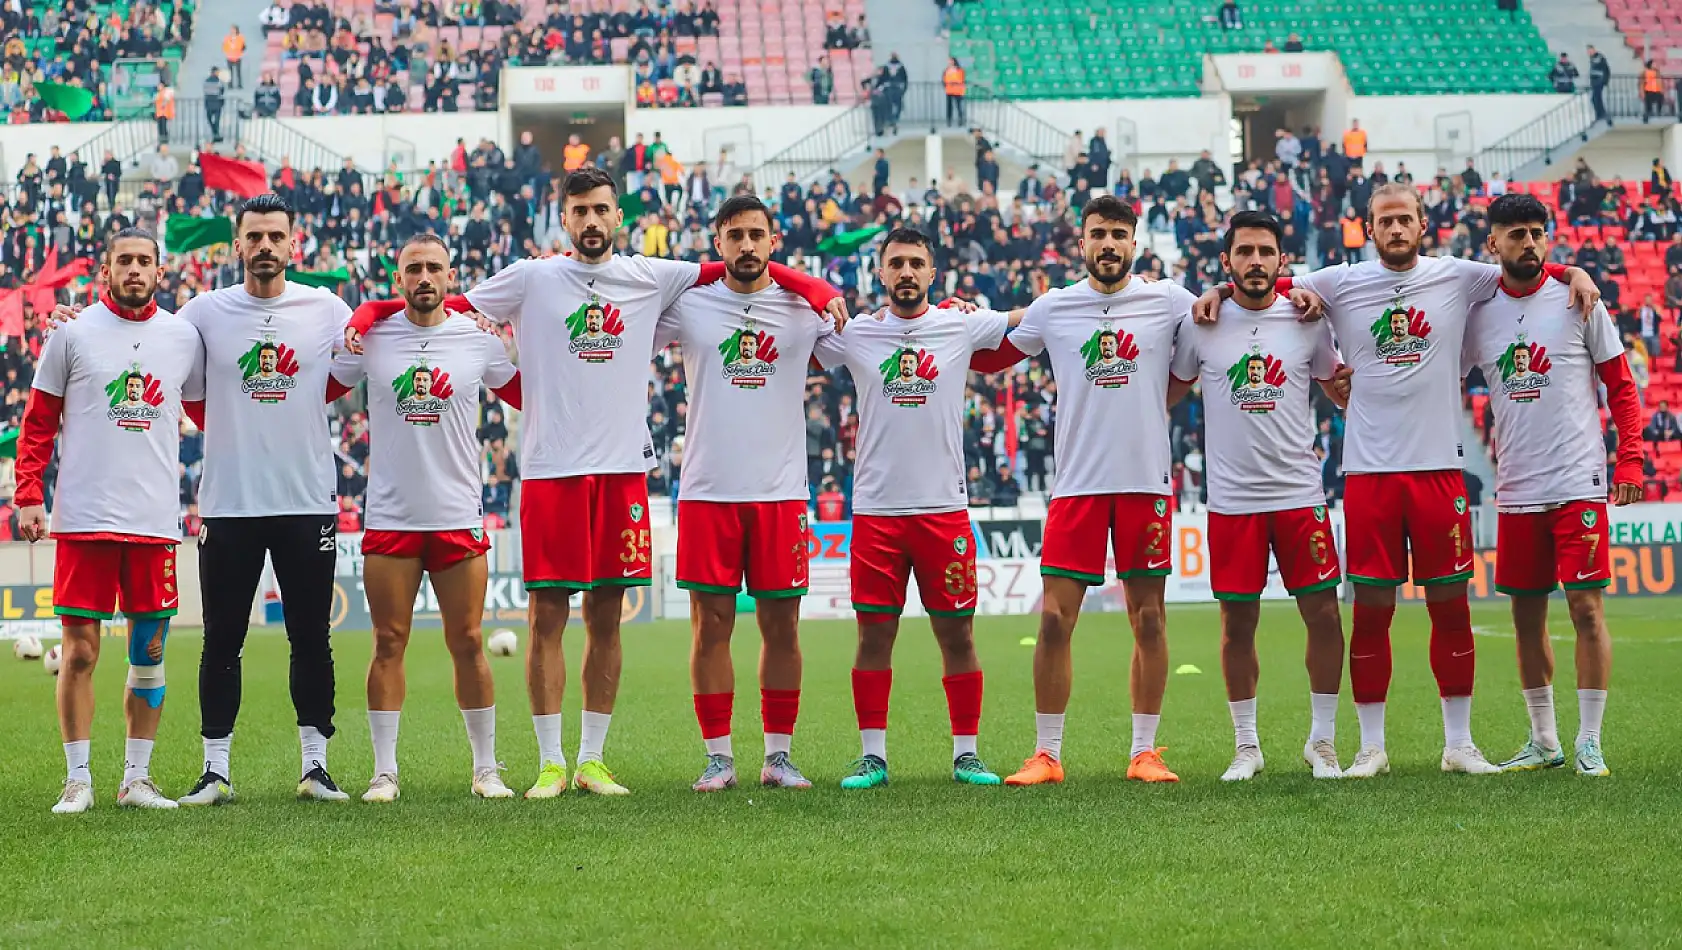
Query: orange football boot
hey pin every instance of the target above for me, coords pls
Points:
(1147, 766)
(1038, 769)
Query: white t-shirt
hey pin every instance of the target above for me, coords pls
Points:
(423, 417)
(1110, 354)
(1539, 357)
(1401, 332)
(120, 446)
(267, 450)
(1255, 369)
(910, 376)
(585, 332)
(745, 358)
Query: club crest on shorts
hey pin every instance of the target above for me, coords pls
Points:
(960, 545)
(1460, 505)
(803, 522)
(1320, 513)
(636, 512)
(478, 533)
(1161, 507)
(1589, 518)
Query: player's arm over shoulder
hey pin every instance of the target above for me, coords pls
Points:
(502, 295)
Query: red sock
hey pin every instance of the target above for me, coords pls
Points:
(870, 697)
(1453, 654)
(778, 708)
(712, 710)
(963, 702)
(1369, 653)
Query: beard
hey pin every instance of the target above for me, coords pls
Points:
(747, 269)
(1525, 269)
(592, 244)
(908, 294)
(131, 299)
(1398, 254)
(1109, 268)
(265, 266)
(424, 299)
(1256, 284)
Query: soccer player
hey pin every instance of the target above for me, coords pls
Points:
(1254, 367)
(584, 500)
(424, 513)
(114, 379)
(1110, 340)
(1400, 321)
(910, 508)
(1542, 362)
(268, 488)
(742, 500)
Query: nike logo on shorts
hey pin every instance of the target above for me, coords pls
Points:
(1330, 570)
(171, 602)
(1463, 653)
(1583, 577)
(964, 605)
(1156, 566)
(1462, 567)
(627, 572)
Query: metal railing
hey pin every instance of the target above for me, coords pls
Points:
(1562, 130)
(268, 139)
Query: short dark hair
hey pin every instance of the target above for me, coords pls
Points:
(1513, 209)
(588, 179)
(1109, 208)
(911, 236)
(135, 234)
(739, 205)
(266, 203)
(1260, 220)
(424, 237)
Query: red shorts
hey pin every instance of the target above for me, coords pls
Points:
(939, 549)
(718, 543)
(1301, 541)
(1078, 527)
(437, 550)
(585, 531)
(1566, 545)
(1387, 515)
(89, 577)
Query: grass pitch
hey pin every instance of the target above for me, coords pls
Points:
(1418, 857)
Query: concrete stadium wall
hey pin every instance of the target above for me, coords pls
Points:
(1404, 128)
(17, 141)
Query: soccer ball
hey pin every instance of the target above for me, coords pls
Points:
(27, 647)
(503, 643)
(50, 661)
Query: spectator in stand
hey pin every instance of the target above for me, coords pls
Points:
(1663, 427)
(1355, 143)
(1230, 16)
(1612, 256)
(1563, 76)
(1471, 180)
(1293, 43)
(214, 97)
(1098, 159)
(1659, 181)
(265, 101)
(1287, 147)
(860, 35)
(954, 82)
(1600, 75)
(1673, 293)
(835, 31)
(1647, 321)
(1652, 92)
(735, 92)
(233, 50)
(831, 504)
(1354, 236)
(822, 78)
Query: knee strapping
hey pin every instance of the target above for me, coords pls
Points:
(145, 674)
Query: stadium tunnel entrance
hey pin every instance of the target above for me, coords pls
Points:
(550, 125)
(1257, 119)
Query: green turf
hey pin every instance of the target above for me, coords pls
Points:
(1530, 860)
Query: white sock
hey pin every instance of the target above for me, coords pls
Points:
(548, 730)
(137, 759)
(592, 735)
(216, 753)
(1048, 727)
(1144, 732)
(1457, 721)
(962, 745)
(1539, 703)
(76, 761)
(481, 736)
(875, 742)
(1322, 711)
(1591, 709)
(314, 745)
(718, 746)
(382, 728)
(1244, 722)
(776, 742)
(1371, 716)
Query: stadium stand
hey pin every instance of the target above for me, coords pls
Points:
(434, 59)
(73, 44)
(1652, 29)
(1106, 49)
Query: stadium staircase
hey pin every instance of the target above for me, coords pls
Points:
(1531, 151)
(1570, 26)
(210, 26)
(1113, 49)
(847, 140)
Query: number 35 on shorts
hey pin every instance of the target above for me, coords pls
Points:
(636, 546)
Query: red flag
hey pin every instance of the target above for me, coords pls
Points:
(11, 313)
(246, 179)
(1010, 423)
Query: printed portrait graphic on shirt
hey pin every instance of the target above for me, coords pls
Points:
(268, 370)
(1111, 356)
(908, 376)
(135, 398)
(423, 394)
(596, 329)
(1258, 382)
(1401, 335)
(1524, 370)
(750, 356)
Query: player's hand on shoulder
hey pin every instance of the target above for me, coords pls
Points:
(61, 314)
(1341, 385)
(353, 340)
(959, 304)
(1145, 278)
(836, 312)
(1311, 305)
(483, 322)
(1626, 494)
(1585, 293)
(32, 523)
(1207, 308)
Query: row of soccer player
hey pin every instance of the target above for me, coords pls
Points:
(586, 326)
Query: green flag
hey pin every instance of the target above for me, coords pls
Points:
(183, 232)
(848, 242)
(9, 443)
(73, 101)
(319, 278)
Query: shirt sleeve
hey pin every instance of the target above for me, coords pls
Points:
(674, 277)
(341, 319)
(1187, 360)
(668, 328)
(830, 350)
(499, 369)
(504, 295)
(986, 328)
(347, 367)
(192, 389)
(1601, 335)
(1480, 280)
(52, 371)
(1029, 336)
(1325, 282)
(1326, 358)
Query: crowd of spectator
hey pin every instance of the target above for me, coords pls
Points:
(70, 43)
